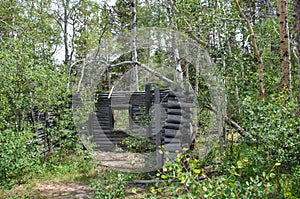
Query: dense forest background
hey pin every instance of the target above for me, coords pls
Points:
(255, 44)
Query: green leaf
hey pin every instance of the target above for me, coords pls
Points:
(272, 175)
(164, 176)
(133, 190)
(152, 190)
(240, 164)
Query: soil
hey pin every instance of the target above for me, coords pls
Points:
(77, 190)
(61, 190)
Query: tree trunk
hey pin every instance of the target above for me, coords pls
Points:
(65, 31)
(134, 56)
(296, 4)
(256, 52)
(171, 22)
(286, 76)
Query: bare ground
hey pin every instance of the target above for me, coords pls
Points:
(77, 190)
(59, 190)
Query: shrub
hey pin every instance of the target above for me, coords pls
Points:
(275, 126)
(111, 185)
(18, 156)
(182, 183)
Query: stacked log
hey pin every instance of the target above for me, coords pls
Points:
(43, 122)
(178, 124)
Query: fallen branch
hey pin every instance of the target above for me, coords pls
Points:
(234, 124)
(199, 177)
(241, 131)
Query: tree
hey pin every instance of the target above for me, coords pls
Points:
(256, 52)
(29, 81)
(123, 15)
(64, 13)
(91, 26)
(133, 37)
(170, 13)
(286, 75)
(296, 5)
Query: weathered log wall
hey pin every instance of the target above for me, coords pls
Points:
(174, 119)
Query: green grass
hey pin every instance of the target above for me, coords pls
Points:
(74, 167)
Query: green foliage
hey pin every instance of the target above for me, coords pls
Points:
(138, 144)
(274, 124)
(68, 167)
(18, 156)
(29, 80)
(111, 185)
(59, 166)
(89, 29)
(289, 183)
(267, 169)
(237, 176)
(195, 183)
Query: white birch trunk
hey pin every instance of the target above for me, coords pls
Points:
(174, 42)
(134, 56)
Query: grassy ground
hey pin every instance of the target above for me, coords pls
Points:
(73, 181)
(76, 176)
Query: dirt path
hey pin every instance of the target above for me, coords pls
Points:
(77, 190)
(60, 190)
(45, 190)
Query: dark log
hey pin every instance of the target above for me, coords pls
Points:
(174, 118)
(176, 126)
(172, 140)
(171, 155)
(174, 104)
(173, 147)
(147, 97)
(172, 126)
(178, 111)
(177, 119)
(158, 140)
(172, 133)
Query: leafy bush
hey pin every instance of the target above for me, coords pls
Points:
(111, 185)
(288, 183)
(182, 183)
(275, 125)
(30, 80)
(18, 156)
(138, 144)
(266, 169)
(69, 165)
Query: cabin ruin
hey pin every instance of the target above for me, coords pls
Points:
(163, 115)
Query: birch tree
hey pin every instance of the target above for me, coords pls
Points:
(296, 5)
(170, 5)
(256, 52)
(134, 50)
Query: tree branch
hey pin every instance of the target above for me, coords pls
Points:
(234, 124)
(255, 49)
(153, 72)
(190, 31)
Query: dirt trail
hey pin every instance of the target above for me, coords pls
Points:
(77, 190)
(60, 190)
